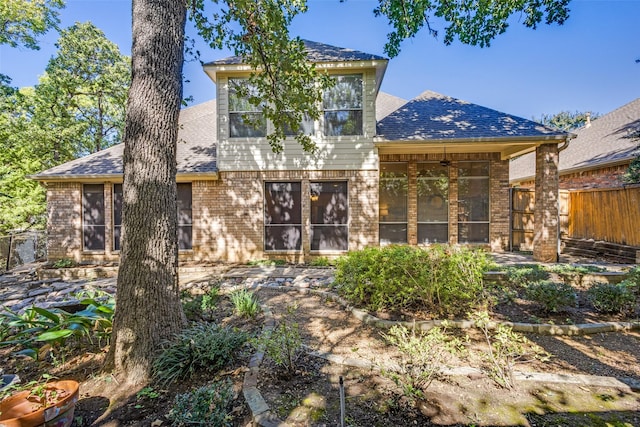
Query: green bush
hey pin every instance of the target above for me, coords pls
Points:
(245, 303)
(198, 307)
(610, 298)
(443, 279)
(210, 405)
(424, 354)
(202, 347)
(522, 275)
(284, 343)
(552, 296)
(632, 282)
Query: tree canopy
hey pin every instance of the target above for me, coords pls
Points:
(76, 108)
(567, 120)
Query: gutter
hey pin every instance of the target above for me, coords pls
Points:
(180, 177)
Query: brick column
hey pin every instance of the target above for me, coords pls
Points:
(412, 207)
(545, 240)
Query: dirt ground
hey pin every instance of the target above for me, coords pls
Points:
(310, 397)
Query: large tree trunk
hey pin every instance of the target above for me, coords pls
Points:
(148, 307)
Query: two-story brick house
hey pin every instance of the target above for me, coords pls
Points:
(434, 169)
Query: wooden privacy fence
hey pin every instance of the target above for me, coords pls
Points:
(597, 222)
(523, 202)
(611, 215)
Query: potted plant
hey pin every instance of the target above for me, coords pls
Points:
(49, 404)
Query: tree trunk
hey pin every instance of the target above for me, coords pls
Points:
(148, 308)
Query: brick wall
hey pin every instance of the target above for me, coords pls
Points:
(607, 177)
(545, 238)
(228, 213)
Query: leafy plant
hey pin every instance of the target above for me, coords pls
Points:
(423, 356)
(201, 347)
(267, 262)
(64, 263)
(209, 405)
(245, 303)
(443, 279)
(521, 275)
(38, 325)
(284, 343)
(632, 282)
(552, 296)
(610, 298)
(198, 307)
(320, 262)
(505, 349)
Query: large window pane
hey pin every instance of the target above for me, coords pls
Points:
(433, 203)
(473, 202)
(245, 119)
(282, 216)
(393, 203)
(185, 228)
(117, 216)
(329, 216)
(93, 229)
(342, 106)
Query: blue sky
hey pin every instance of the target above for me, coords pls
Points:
(586, 64)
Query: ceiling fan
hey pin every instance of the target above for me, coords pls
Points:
(444, 162)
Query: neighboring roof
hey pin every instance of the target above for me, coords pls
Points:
(433, 116)
(316, 52)
(387, 104)
(196, 150)
(608, 141)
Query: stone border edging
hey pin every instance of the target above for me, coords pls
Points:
(263, 417)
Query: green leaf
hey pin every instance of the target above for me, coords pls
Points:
(48, 314)
(29, 352)
(54, 335)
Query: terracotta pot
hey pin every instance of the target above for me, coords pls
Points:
(17, 411)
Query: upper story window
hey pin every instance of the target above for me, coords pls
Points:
(342, 105)
(245, 119)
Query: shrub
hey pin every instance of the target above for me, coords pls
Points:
(610, 298)
(64, 263)
(443, 279)
(632, 282)
(552, 296)
(423, 356)
(203, 346)
(245, 303)
(284, 343)
(320, 262)
(521, 275)
(197, 307)
(209, 405)
(505, 349)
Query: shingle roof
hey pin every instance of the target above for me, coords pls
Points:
(387, 104)
(316, 52)
(609, 140)
(196, 150)
(433, 116)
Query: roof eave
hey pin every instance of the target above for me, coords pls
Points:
(180, 177)
(578, 169)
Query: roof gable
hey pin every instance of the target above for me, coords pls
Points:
(433, 117)
(316, 52)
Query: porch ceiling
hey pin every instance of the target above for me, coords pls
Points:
(507, 149)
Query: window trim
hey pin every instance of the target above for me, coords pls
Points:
(84, 225)
(406, 222)
(448, 213)
(113, 217)
(489, 198)
(347, 224)
(264, 219)
(323, 124)
(256, 110)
